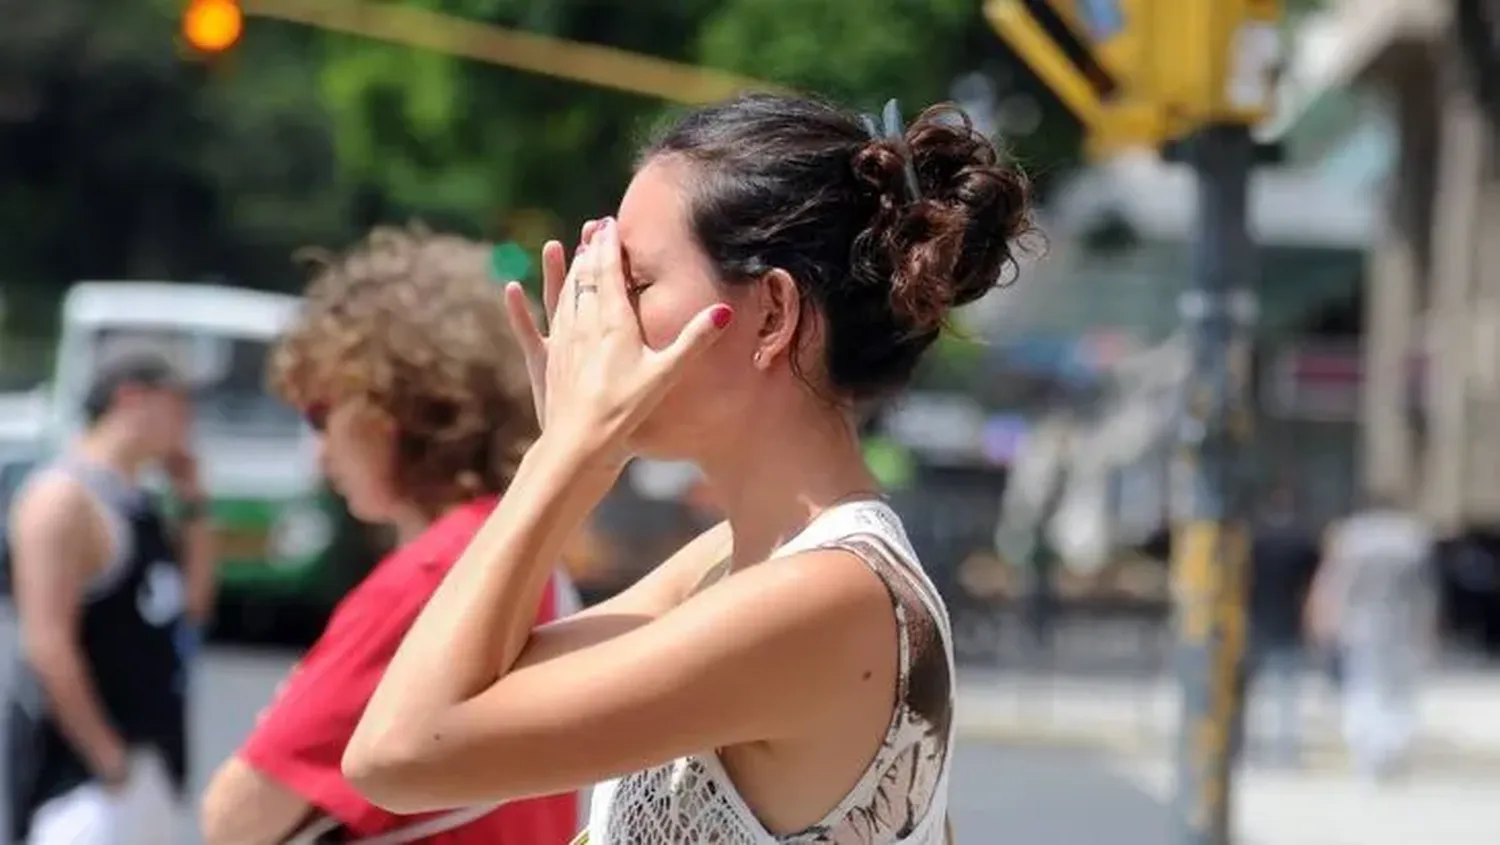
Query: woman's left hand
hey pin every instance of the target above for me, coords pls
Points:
(602, 379)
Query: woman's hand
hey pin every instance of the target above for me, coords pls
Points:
(601, 379)
(523, 317)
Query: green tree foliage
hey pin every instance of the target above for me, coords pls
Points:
(464, 144)
(123, 156)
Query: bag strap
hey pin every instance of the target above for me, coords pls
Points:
(313, 832)
(430, 827)
(324, 825)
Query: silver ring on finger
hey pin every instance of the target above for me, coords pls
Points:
(579, 289)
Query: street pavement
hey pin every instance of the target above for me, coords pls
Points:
(1030, 786)
(1458, 731)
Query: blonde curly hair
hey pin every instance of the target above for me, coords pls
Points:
(410, 324)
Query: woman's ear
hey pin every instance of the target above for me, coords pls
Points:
(780, 306)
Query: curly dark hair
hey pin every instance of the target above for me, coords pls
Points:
(410, 324)
(884, 236)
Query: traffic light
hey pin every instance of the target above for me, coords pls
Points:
(1146, 72)
(1209, 62)
(212, 27)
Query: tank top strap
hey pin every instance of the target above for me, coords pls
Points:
(915, 758)
(116, 501)
(871, 530)
(105, 485)
(925, 640)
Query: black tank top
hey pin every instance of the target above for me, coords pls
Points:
(130, 625)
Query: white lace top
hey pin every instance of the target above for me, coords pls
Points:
(902, 799)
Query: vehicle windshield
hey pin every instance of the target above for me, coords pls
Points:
(228, 376)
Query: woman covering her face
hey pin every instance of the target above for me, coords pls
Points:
(776, 264)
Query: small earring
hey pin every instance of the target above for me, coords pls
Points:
(756, 358)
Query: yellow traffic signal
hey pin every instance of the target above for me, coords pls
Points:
(1144, 72)
(1210, 62)
(212, 26)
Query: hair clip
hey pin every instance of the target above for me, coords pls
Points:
(892, 129)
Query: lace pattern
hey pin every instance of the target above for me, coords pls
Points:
(692, 800)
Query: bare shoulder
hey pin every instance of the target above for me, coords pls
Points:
(823, 579)
(55, 533)
(50, 502)
(825, 608)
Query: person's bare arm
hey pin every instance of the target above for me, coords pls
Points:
(196, 540)
(199, 555)
(649, 598)
(1320, 613)
(465, 714)
(243, 807)
(56, 544)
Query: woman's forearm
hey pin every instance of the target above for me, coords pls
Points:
(479, 619)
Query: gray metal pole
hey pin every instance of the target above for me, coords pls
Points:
(1211, 543)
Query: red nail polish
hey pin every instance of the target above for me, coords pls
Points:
(721, 316)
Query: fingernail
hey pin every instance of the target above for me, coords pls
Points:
(721, 316)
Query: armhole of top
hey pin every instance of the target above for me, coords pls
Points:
(925, 683)
(927, 670)
(897, 573)
(116, 534)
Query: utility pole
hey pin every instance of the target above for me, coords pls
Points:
(1211, 543)
(1192, 77)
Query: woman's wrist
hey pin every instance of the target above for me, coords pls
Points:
(560, 452)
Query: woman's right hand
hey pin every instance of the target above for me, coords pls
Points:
(522, 315)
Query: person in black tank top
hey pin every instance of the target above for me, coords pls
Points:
(96, 728)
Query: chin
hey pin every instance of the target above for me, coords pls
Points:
(367, 513)
(356, 504)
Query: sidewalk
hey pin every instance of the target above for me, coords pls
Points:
(1460, 714)
(1326, 808)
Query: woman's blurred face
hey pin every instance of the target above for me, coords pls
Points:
(357, 455)
(671, 281)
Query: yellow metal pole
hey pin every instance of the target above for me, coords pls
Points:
(591, 64)
(1211, 544)
(1014, 23)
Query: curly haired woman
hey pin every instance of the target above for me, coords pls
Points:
(775, 264)
(404, 364)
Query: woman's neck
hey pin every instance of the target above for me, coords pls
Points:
(773, 484)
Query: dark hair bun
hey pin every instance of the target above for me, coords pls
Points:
(796, 184)
(955, 241)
